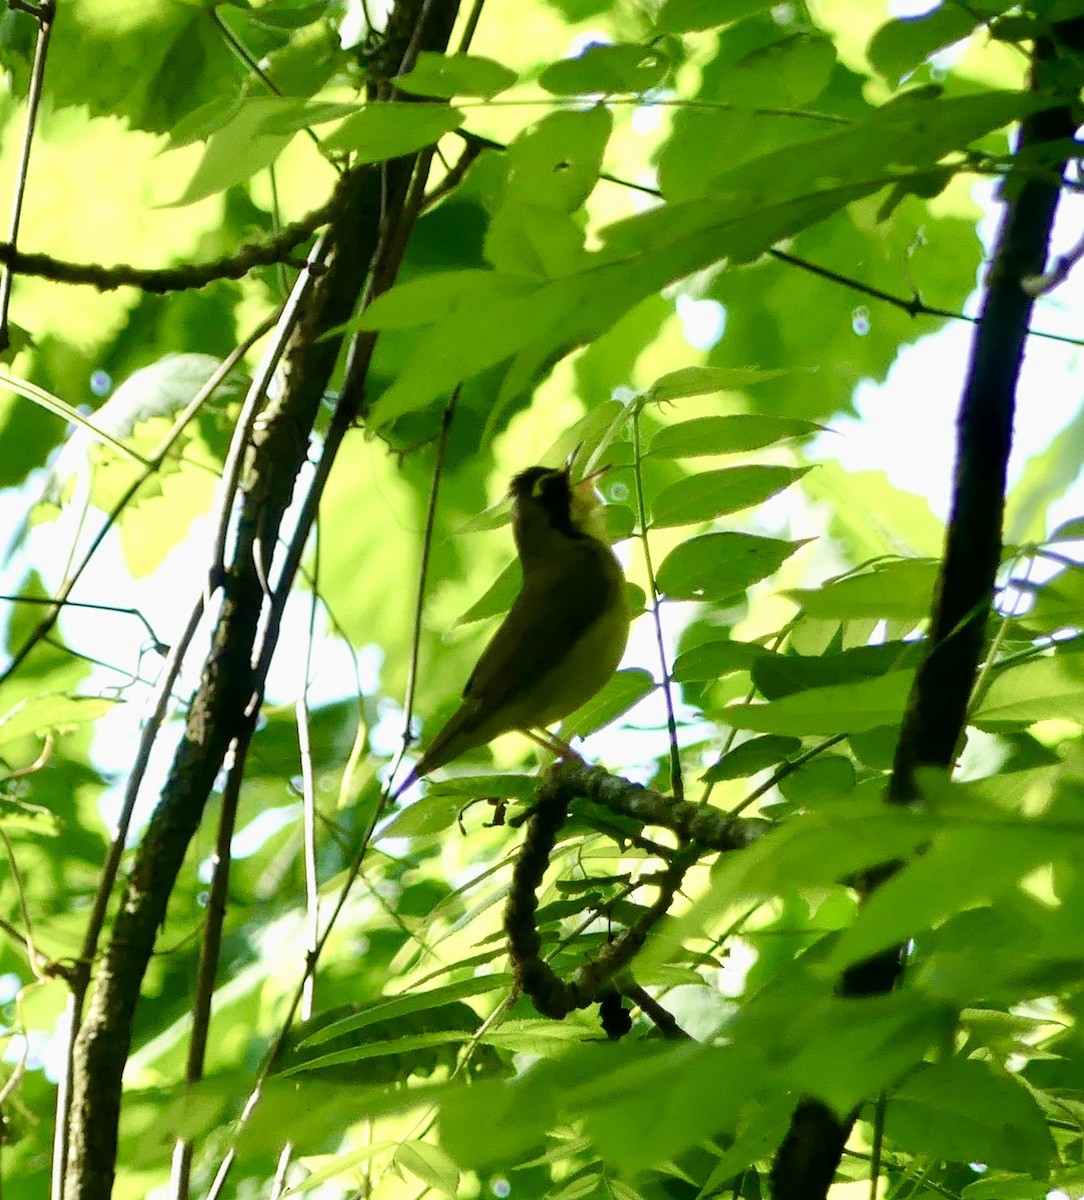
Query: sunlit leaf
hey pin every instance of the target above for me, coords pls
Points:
(845, 708)
(703, 381)
(448, 75)
(624, 690)
(901, 589)
(716, 566)
(606, 69)
(387, 130)
(710, 494)
(901, 45)
(755, 755)
(725, 435)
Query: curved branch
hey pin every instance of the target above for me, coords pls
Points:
(175, 279)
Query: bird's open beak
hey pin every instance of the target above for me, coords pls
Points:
(591, 481)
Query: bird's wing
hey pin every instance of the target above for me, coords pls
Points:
(550, 615)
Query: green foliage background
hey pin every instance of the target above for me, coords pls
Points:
(628, 156)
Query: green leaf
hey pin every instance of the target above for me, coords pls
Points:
(777, 675)
(686, 16)
(817, 849)
(286, 16)
(964, 1110)
(711, 494)
(902, 590)
(606, 69)
(390, 129)
(825, 711)
(555, 163)
(897, 48)
(712, 660)
(433, 297)
(498, 596)
(1037, 690)
(166, 60)
(822, 779)
(646, 1112)
(857, 1047)
(874, 518)
(790, 71)
(1059, 602)
(747, 758)
(1046, 477)
(717, 566)
(558, 314)
(239, 149)
(430, 1164)
(963, 867)
(448, 75)
(40, 715)
(304, 114)
(724, 435)
(704, 381)
(621, 692)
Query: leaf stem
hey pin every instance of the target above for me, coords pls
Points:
(676, 782)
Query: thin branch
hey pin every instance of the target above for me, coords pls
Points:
(287, 322)
(210, 952)
(453, 177)
(1057, 273)
(53, 601)
(312, 882)
(45, 14)
(471, 26)
(28, 925)
(423, 579)
(785, 769)
(677, 784)
(160, 280)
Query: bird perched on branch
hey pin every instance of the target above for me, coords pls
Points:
(565, 633)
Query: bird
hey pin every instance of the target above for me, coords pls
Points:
(565, 632)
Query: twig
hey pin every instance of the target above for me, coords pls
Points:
(1058, 272)
(45, 13)
(210, 952)
(471, 26)
(785, 769)
(242, 434)
(159, 645)
(161, 280)
(423, 579)
(677, 784)
(312, 883)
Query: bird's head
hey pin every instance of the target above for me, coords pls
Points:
(546, 503)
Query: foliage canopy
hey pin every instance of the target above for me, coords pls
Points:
(351, 271)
